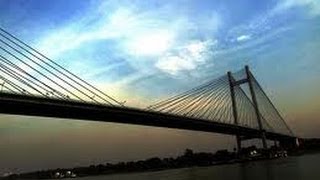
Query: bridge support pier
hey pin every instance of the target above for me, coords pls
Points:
(289, 143)
(238, 139)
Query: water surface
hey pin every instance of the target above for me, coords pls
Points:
(292, 168)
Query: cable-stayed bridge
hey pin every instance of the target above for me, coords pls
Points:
(234, 104)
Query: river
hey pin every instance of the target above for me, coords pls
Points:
(292, 168)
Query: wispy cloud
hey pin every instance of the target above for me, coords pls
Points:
(243, 38)
(313, 6)
(147, 39)
(254, 43)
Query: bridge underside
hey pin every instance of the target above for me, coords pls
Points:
(38, 106)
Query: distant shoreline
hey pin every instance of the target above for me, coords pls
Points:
(187, 160)
(212, 165)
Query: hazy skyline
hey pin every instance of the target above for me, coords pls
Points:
(144, 51)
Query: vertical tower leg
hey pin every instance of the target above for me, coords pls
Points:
(256, 108)
(234, 109)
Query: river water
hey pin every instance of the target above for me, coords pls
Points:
(305, 167)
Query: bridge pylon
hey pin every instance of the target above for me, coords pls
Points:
(248, 80)
(234, 108)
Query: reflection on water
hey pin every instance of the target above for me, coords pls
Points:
(270, 170)
(291, 168)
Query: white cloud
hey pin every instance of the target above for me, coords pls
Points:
(152, 43)
(174, 64)
(243, 38)
(188, 57)
(313, 6)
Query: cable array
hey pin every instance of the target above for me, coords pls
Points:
(212, 102)
(204, 102)
(24, 70)
(271, 115)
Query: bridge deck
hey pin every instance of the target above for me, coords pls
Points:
(44, 107)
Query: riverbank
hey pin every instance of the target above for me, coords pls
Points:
(292, 167)
(188, 159)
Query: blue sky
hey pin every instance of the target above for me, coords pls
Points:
(143, 51)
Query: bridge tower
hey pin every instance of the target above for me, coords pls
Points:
(233, 83)
(234, 107)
